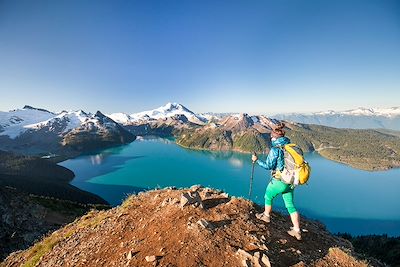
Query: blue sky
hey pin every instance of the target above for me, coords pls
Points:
(222, 56)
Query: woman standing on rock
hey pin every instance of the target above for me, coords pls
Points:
(276, 162)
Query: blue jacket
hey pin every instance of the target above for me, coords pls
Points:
(275, 159)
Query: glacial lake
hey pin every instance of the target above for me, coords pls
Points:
(343, 198)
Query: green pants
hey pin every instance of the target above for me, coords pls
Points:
(276, 187)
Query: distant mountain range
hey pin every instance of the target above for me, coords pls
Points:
(360, 118)
(30, 119)
(39, 132)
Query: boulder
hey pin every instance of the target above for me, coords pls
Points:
(191, 198)
(151, 258)
(265, 260)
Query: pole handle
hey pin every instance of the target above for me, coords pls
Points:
(254, 154)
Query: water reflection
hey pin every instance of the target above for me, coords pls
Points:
(89, 166)
(210, 154)
(235, 162)
(153, 138)
(234, 159)
(97, 159)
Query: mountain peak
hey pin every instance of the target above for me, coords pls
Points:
(170, 106)
(169, 110)
(237, 122)
(27, 107)
(99, 114)
(79, 113)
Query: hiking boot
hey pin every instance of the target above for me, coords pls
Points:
(294, 233)
(263, 217)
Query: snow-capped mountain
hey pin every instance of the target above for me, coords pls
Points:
(16, 122)
(360, 118)
(63, 122)
(96, 131)
(121, 118)
(31, 120)
(41, 130)
(167, 111)
(19, 121)
(96, 122)
(381, 112)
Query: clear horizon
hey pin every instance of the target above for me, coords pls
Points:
(149, 109)
(266, 57)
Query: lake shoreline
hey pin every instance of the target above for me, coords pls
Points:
(363, 168)
(61, 158)
(162, 162)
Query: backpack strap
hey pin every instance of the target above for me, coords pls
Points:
(282, 148)
(276, 173)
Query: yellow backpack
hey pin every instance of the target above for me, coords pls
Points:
(297, 170)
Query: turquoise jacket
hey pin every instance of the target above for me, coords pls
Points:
(275, 159)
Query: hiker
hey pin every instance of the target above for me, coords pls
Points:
(275, 162)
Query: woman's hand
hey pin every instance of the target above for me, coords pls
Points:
(254, 158)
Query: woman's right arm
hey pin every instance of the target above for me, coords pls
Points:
(271, 161)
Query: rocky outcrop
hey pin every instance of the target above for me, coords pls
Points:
(26, 218)
(158, 228)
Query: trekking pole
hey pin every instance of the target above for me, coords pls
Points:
(251, 177)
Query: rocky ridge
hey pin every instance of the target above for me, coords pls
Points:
(241, 133)
(189, 227)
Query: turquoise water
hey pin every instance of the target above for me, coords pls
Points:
(345, 199)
